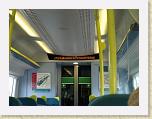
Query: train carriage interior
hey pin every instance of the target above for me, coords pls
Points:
(73, 57)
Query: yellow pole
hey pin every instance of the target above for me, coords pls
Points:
(11, 26)
(24, 56)
(101, 46)
(112, 51)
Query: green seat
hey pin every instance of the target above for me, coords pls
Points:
(34, 97)
(111, 100)
(41, 102)
(52, 102)
(91, 98)
(14, 102)
(44, 98)
(26, 101)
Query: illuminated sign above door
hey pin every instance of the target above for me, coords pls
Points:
(61, 57)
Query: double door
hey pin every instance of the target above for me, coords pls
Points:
(69, 87)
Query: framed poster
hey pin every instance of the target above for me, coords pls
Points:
(41, 81)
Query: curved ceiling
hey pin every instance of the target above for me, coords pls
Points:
(66, 32)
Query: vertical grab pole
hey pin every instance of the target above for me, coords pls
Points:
(11, 26)
(76, 84)
(101, 46)
(112, 51)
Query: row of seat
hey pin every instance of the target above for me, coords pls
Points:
(28, 101)
(106, 100)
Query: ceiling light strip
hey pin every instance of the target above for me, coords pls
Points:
(24, 24)
(27, 58)
(33, 17)
(44, 46)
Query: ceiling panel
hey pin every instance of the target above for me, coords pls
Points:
(27, 45)
(70, 31)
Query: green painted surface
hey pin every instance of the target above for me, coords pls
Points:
(70, 80)
(85, 80)
(67, 80)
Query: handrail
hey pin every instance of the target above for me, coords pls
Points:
(101, 46)
(11, 26)
(24, 56)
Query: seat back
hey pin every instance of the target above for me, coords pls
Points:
(14, 102)
(26, 101)
(52, 102)
(111, 100)
(41, 101)
(44, 98)
(34, 97)
(91, 98)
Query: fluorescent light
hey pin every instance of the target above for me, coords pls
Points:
(103, 21)
(75, 62)
(44, 46)
(96, 47)
(103, 28)
(24, 24)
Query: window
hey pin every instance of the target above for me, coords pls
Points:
(12, 85)
(136, 81)
(128, 61)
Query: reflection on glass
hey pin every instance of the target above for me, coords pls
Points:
(128, 61)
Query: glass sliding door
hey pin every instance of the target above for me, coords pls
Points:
(68, 89)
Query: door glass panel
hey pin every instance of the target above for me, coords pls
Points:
(67, 71)
(67, 95)
(84, 86)
(84, 93)
(67, 86)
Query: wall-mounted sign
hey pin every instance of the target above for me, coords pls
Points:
(61, 57)
(41, 81)
(34, 78)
